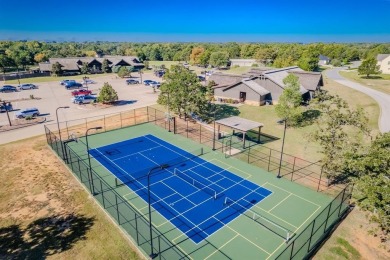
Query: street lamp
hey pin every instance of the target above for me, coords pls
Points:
(59, 130)
(85, 81)
(161, 167)
(140, 75)
(281, 154)
(89, 157)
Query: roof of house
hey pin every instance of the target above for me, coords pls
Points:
(309, 80)
(381, 57)
(278, 75)
(45, 66)
(67, 63)
(255, 87)
(323, 57)
(239, 123)
(224, 80)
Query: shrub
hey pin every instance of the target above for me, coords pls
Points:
(107, 94)
(255, 65)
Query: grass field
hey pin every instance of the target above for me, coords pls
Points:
(378, 82)
(281, 207)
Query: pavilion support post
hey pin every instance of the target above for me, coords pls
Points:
(219, 129)
(244, 133)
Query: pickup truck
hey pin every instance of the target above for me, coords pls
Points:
(73, 84)
(84, 99)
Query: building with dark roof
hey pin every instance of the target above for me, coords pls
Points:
(263, 85)
(74, 64)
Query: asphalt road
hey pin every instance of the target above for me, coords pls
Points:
(383, 99)
(52, 95)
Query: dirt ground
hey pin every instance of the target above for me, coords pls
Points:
(45, 212)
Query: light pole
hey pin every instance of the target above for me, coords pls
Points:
(85, 81)
(140, 75)
(89, 157)
(59, 130)
(281, 154)
(161, 167)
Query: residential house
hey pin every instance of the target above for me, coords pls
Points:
(73, 65)
(263, 85)
(384, 63)
(323, 60)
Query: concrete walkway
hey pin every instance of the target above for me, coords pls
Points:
(383, 99)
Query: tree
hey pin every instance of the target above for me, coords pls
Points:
(90, 53)
(105, 66)
(107, 94)
(124, 72)
(146, 63)
(335, 63)
(195, 55)
(339, 133)
(219, 59)
(369, 66)
(289, 105)
(309, 61)
(5, 61)
(39, 57)
(372, 171)
(56, 69)
(186, 94)
(84, 68)
(204, 58)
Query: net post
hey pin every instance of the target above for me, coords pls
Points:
(288, 237)
(116, 182)
(225, 202)
(215, 195)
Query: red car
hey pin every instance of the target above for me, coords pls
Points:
(80, 92)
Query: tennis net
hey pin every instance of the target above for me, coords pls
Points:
(270, 225)
(197, 184)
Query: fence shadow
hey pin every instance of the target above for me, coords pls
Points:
(43, 237)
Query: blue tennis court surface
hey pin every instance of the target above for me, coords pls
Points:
(190, 192)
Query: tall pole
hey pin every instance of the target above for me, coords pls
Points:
(89, 157)
(161, 167)
(215, 110)
(281, 154)
(169, 114)
(59, 130)
(140, 75)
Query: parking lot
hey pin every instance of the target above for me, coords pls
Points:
(51, 95)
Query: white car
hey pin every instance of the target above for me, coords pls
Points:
(84, 99)
(27, 86)
(88, 81)
(33, 112)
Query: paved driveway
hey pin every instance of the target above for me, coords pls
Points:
(52, 95)
(383, 99)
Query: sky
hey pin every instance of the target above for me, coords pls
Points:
(196, 21)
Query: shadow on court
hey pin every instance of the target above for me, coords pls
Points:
(43, 237)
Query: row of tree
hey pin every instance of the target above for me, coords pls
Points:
(25, 53)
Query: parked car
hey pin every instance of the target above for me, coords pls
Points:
(132, 81)
(63, 82)
(8, 88)
(155, 84)
(34, 112)
(88, 81)
(27, 86)
(4, 107)
(73, 84)
(84, 99)
(147, 82)
(80, 92)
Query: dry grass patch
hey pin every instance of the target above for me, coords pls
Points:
(45, 212)
(377, 82)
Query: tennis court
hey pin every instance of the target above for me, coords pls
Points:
(206, 205)
(195, 195)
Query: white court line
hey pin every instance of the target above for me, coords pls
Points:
(294, 194)
(279, 202)
(135, 153)
(220, 247)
